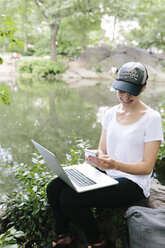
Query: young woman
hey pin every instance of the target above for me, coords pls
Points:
(129, 144)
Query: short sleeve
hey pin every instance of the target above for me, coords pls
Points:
(154, 129)
(107, 118)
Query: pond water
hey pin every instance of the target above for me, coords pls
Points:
(49, 112)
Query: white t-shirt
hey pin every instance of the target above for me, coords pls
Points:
(126, 143)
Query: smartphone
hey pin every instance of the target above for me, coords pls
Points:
(91, 153)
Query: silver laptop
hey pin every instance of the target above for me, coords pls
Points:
(81, 177)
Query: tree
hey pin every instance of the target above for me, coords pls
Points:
(150, 16)
(51, 11)
(25, 21)
(54, 12)
(79, 30)
(72, 22)
(7, 31)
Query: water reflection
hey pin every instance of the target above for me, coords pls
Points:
(5, 155)
(48, 112)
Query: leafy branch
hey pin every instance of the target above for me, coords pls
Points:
(4, 95)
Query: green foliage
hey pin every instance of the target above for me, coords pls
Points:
(8, 30)
(42, 44)
(149, 16)
(163, 66)
(10, 238)
(1, 61)
(75, 22)
(98, 68)
(29, 52)
(42, 68)
(76, 155)
(77, 32)
(27, 207)
(161, 154)
(67, 48)
(4, 95)
(111, 223)
(38, 21)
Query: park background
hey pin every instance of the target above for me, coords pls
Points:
(58, 61)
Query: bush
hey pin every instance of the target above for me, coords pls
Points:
(161, 154)
(98, 68)
(76, 155)
(67, 48)
(27, 207)
(10, 238)
(42, 68)
(4, 95)
(29, 52)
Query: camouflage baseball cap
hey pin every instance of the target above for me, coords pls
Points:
(131, 78)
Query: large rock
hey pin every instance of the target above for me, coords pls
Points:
(125, 54)
(157, 196)
(96, 64)
(103, 58)
(110, 220)
(92, 56)
(77, 75)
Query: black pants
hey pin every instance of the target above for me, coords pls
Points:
(68, 205)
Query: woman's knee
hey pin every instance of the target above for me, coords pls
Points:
(54, 188)
(50, 186)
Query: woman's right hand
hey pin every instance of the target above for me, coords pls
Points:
(88, 158)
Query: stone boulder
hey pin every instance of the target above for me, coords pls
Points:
(93, 56)
(104, 59)
(78, 75)
(125, 54)
(157, 196)
(110, 220)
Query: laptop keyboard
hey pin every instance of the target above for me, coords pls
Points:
(79, 178)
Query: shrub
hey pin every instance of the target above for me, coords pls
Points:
(67, 48)
(10, 238)
(42, 68)
(29, 52)
(76, 155)
(98, 68)
(4, 95)
(27, 207)
(161, 154)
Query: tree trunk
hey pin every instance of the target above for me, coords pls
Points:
(25, 43)
(54, 31)
(114, 27)
(53, 106)
(4, 48)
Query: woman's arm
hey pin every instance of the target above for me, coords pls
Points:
(102, 143)
(144, 167)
